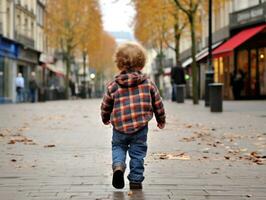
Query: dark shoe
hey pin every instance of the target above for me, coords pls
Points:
(118, 177)
(135, 186)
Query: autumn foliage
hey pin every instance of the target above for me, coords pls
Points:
(75, 28)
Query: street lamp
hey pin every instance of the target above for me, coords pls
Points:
(92, 76)
(209, 73)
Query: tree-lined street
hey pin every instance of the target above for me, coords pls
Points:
(60, 150)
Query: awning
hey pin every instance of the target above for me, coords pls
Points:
(202, 54)
(53, 68)
(238, 39)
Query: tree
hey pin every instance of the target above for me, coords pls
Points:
(158, 25)
(192, 8)
(102, 58)
(68, 24)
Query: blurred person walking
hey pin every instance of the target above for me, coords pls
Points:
(72, 87)
(177, 78)
(237, 82)
(33, 86)
(19, 87)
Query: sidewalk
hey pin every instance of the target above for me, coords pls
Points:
(60, 150)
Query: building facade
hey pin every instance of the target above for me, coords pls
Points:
(232, 25)
(21, 42)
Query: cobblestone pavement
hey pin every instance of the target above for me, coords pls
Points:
(60, 150)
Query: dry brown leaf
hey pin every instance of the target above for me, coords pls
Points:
(11, 142)
(49, 145)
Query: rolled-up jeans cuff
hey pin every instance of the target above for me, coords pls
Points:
(119, 164)
(139, 179)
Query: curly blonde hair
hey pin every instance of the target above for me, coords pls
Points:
(130, 56)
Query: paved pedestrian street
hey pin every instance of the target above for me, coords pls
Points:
(60, 150)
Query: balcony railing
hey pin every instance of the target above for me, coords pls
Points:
(24, 40)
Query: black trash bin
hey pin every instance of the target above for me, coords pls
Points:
(216, 97)
(180, 93)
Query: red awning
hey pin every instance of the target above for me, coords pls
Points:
(238, 39)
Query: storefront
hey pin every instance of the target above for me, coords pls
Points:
(8, 56)
(244, 55)
(28, 60)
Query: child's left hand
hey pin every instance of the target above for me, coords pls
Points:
(161, 126)
(107, 123)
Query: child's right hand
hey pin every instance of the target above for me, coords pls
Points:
(107, 123)
(161, 126)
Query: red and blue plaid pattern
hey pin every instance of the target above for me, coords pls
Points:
(130, 102)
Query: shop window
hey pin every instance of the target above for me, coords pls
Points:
(262, 70)
(216, 70)
(242, 65)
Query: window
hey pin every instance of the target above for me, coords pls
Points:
(40, 15)
(26, 27)
(32, 30)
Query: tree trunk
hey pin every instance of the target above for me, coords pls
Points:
(177, 37)
(68, 64)
(194, 64)
(177, 43)
(84, 67)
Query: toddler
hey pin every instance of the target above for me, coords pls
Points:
(129, 104)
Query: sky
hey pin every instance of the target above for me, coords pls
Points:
(117, 15)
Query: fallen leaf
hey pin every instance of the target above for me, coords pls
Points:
(130, 193)
(13, 160)
(49, 146)
(243, 149)
(11, 142)
(227, 157)
(255, 154)
(173, 156)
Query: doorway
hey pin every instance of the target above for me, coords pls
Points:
(252, 62)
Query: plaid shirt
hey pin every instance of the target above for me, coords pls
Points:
(130, 102)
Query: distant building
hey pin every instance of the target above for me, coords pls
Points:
(239, 42)
(21, 42)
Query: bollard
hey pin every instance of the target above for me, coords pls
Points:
(180, 93)
(216, 97)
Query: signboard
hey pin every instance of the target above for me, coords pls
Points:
(249, 16)
(8, 49)
(28, 55)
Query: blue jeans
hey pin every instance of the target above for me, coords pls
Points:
(32, 95)
(136, 146)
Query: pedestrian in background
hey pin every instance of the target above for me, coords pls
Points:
(129, 104)
(33, 86)
(237, 82)
(72, 88)
(177, 78)
(19, 87)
